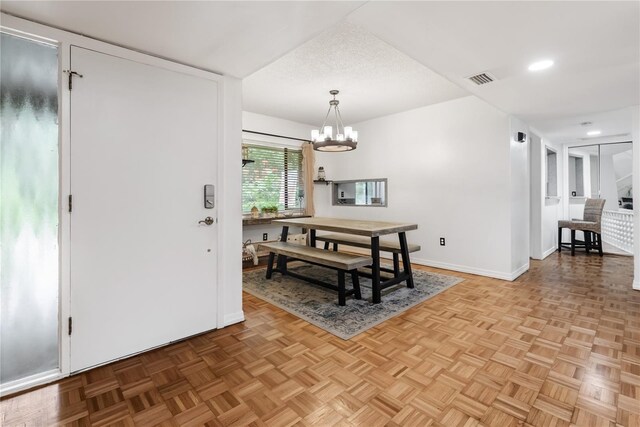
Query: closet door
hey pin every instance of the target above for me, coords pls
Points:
(143, 145)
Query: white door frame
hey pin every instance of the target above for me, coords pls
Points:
(64, 40)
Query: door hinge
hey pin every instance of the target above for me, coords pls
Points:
(71, 74)
(70, 325)
(70, 202)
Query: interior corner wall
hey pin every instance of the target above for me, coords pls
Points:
(276, 126)
(230, 212)
(551, 206)
(635, 137)
(537, 158)
(519, 200)
(448, 167)
(545, 210)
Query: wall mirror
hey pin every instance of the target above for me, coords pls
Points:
(360, 192)
(602, 171)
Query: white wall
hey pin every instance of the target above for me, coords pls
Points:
(635, 137)
(545, 211)
(519, 197)
(552, 207)
(449, 168)
(537, 158)
(230, 190)
(277, 126)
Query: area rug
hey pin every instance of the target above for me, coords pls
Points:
(319, 305)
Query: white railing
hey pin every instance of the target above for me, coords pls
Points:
(617, 229)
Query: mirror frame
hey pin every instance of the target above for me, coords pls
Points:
(334, 192)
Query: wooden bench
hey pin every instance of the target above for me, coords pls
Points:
(363, 242)
(342, 262)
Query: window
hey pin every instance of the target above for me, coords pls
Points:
(274, 179)
(552, 173)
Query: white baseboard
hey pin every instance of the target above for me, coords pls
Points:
(461, 268)
(472, 270)
(231, 318)
(549, 252)
(519, 272)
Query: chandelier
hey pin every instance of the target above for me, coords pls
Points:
(345, 139)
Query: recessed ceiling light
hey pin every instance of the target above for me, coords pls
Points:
(541, 65)
(593, 133)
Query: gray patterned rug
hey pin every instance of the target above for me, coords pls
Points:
(319, 306)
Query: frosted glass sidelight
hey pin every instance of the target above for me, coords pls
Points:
(28, 208)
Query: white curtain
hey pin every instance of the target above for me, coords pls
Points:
(308, 169)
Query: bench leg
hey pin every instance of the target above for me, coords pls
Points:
(404, 248)
(282, 261)
(376, 297)
(270, 265)
(573, 242)
(396, 265)
(335, 247)
(326, 246)
(356, 284)
(342, 293)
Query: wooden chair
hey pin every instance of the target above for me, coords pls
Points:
(590, 225)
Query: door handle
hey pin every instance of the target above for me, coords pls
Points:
(207, 221)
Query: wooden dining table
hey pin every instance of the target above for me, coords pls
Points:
(371, 229)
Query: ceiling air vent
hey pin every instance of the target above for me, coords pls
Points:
(482, 78)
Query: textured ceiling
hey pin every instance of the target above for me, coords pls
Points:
(228, 37)
(374, 79)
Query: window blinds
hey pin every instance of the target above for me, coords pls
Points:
(273, 180)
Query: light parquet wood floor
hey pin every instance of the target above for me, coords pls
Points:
(558, 347)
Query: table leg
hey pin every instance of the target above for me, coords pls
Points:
(375, 270)
(312, 238)
(282, 260)
(406, 262)
(285, 233)
(270, 265)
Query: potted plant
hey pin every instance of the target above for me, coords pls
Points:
(270, 211)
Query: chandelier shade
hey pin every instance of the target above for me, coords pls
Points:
(346, 139)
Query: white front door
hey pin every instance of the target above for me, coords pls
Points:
(143, 145)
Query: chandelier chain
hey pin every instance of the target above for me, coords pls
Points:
(325, 118)
(345, 138)
(339, 121)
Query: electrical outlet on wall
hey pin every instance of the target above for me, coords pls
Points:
(265, 236)
(442, 243)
